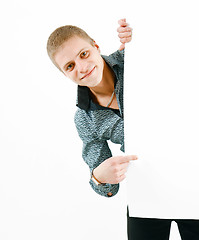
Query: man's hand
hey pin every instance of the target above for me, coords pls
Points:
(124, 33)
(113, 169)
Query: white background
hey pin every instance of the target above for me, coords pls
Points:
(44, 189)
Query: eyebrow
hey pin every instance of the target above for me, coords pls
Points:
(71, 60)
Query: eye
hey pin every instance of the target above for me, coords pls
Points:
(84, 54)
(70, 67)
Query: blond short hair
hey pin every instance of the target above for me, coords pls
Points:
(61, 35)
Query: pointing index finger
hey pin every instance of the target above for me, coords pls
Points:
(129, 158)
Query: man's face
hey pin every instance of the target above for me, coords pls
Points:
(80, 61)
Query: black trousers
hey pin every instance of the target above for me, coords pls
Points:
(159, 229)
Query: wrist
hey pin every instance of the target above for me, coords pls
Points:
(95, 178)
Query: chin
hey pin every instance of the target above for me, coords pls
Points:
(95, 84)
(92, 82)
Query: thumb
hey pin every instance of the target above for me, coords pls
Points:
(122, 22)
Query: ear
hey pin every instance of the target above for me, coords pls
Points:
(96, 46)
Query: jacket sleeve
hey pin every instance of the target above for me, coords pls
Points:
(94, 151)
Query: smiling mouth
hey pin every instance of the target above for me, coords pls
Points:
(87, 75)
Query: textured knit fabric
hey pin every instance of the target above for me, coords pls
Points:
(96, 124)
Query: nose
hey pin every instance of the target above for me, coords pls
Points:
(81, 66)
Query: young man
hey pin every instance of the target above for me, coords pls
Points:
(100, 118)
(100, 100)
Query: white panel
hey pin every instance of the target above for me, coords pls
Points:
(161, 109)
